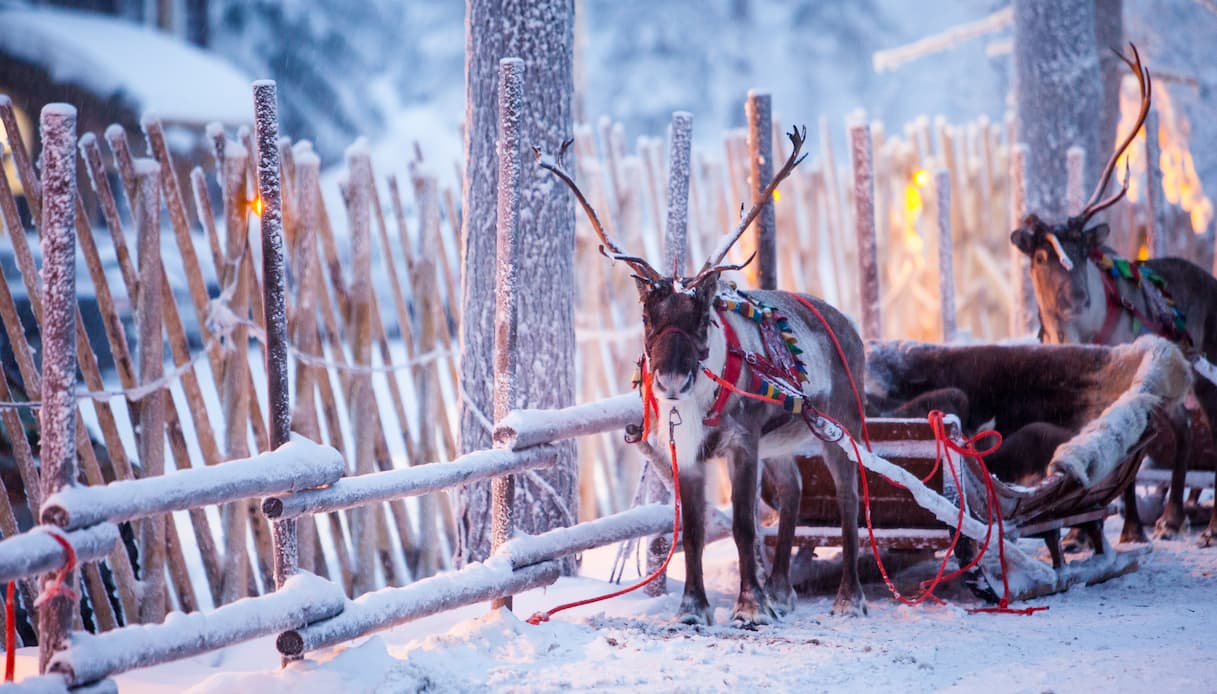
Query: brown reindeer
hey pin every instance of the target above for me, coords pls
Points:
(686, 340)
(1087, 295)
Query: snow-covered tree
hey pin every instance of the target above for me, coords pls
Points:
(542, 33)
(1059, 94)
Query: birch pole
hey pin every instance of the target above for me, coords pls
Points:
(864, 226)
(1023, 318)
(274, 288)
(1154, 198)
(946, 259)
(506, 356)
(760, 155)
(58, 415)
(151, 410)
(1075, 173)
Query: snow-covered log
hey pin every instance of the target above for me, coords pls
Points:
(526, 428)
(527, 550)
(676, 232)
(361, 490)
(303, 599)
(58, 275)
(1154, 195)
(56, 684)
(295, 466)
(759, 112)
(892, 58)
(946, 264)
(390, 607)
(1023, 318)
(36, 552)
(1075, 172)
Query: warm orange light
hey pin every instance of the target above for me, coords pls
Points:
(921, 178)
(1143, 252)
(777, 195)
(256, 206)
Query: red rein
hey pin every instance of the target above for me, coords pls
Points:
(57, 588)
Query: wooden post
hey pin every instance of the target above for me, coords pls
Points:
(151, 410)
(1075, 170)
(864, 226)
(760, 155)
(1155, 201)
(1023, 319)
(946, 260)
(58, 414)
(506, 357)
(274, 290)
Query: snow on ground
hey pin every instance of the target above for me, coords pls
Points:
(1144, 631)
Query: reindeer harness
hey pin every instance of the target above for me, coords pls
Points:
(1164, 317)
(775, 375)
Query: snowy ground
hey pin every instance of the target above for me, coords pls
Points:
(1145, 631)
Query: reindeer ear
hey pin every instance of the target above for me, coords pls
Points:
(1024, 240)
(707, 288)
(644, 287)
(1097, 234)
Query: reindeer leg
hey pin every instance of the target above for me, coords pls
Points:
(1206, 538)
(752, 608)
(1134, 529)
(850, 602)
(1171, 522)
(694, 607)
(783, 487)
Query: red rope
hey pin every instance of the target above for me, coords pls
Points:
(848, 371)
(57, 588)
(544, 616)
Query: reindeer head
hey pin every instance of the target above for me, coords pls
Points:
(1059, 252)
(677, 311)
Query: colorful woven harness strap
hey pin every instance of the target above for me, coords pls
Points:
(731, 372)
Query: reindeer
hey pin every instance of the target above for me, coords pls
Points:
(1082, 302)
(686, 342)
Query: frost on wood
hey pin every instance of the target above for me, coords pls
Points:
(676, 233)
(527, 550)
(1155, 198)
(760, 157)
(302, 599)
(893, 58)
(542, 33)
(35, 551)
(293, 467)
(525, 428)
(946, 265)
(864, 227)
(1023, 318)
(1059, 92)
(389, 607)
(58, 414)
(1075, 166)
(1157, 375)
(361, 490)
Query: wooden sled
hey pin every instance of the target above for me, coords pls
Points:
(1109, 396)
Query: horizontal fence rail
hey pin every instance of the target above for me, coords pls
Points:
(36, 551)
(362, 490)
(298, 464)
(527, 428)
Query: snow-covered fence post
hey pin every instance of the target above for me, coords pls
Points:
(151, 410)
(946, 260)
(362, 398)
(864, 226)
(676, 234)
(58, 414)
(274, 287)
(506, 356)
(1023, 316)
(760, 155)
(1154, 197)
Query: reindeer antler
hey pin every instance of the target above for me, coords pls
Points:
(608, 247)
(797, 138)
(1093, 205)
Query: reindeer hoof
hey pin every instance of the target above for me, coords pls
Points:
(782, 598)
(1166, 531)
(753, 609)
(849, 606)
(695, 613)
(1206, 538)
(1134, 536)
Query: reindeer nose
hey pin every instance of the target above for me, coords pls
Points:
(673, 385)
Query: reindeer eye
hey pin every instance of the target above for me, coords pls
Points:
(1041, 257)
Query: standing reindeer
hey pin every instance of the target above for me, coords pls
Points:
(1087, 294)
(692, 335)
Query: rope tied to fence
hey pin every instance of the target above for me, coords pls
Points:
(58, 588)
(674, 421)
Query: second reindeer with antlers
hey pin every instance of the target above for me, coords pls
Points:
(1088, 294)
(752, 376)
